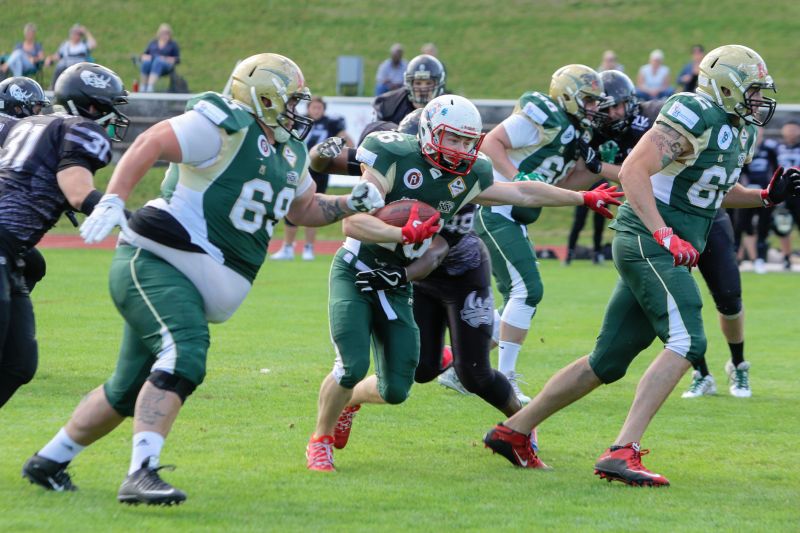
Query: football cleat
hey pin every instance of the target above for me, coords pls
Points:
(760, 266)
(701, 386)
(146, 486)
(514, 379)
(48, 474)
(514, 446)
(308, 253)
(286, 253)
(624, 463)
(739, 379)
(319, 453)
(449, 379)
(341, 433)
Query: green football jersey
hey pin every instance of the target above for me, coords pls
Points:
(397, 161)
(555, 152)
(230, 206)
(690, 190)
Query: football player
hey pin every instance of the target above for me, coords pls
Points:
(538, 141)
(683, 170)
(238, 166)
(424, 80)
(442, 167)
(46, 167)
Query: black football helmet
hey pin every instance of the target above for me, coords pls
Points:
(410, 124)
(94, 92)
(619, 89)
(424, 67)
(21, 97)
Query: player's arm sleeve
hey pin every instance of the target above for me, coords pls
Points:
(305, 180)
(86, 145)
(522, 131)
(199, 138)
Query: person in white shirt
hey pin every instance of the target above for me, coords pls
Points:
(653, 79)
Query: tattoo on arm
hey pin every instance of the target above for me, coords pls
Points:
(331, 210)
(668, 143)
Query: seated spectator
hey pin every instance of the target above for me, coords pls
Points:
(76, 49)
(391, 73)
(610, 62)
(687, 78)
(26, 54)
(653, 80)
(429, 49)
(160, 58)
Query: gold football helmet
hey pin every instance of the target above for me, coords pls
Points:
(575, 86)
(271, 85)
(730, 75)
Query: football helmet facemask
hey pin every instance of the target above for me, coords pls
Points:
(619, 89)
(427, 69)
(93, 91)
(576, 86)
(22, 97)
(730, 76)
(270, 86)
(453, 114)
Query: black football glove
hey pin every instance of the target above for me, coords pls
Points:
(781, 186)
(590, 157)
(381, 279)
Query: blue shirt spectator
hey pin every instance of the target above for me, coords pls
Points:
(159, 58)
(391, 73)
(26, 54)
(687, 77)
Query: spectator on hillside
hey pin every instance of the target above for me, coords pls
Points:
(325, 126)
(610, 62)
(687, 78)
(653, 80)
(789, 156)
(160, 58)
(391, 73)
(26, 54)
(429, 49)
(76, 49)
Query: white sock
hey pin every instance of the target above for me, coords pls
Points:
(496, 327)
(145, 444)
(61, 449)
(507, 361)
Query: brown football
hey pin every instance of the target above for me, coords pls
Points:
(396, 213)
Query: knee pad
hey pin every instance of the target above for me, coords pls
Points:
(729, 305)
(393, 394)
(518, 313)
(697, 351)
(474, 379)
(609, 367)
(426, 373)
(172, 383)
(349, 376)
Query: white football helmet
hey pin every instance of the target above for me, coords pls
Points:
(454, 114)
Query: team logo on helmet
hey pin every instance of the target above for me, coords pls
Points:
(413, 178)
(93, 80)
(19, 94)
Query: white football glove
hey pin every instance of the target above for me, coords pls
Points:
(331, 147)
(109, 212)
(365, 197)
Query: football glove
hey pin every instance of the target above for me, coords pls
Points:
(529, 176)
(365, 197)
(608, 151)
(109, 212)
(381, 279)
(330, 147)
(781, 186)
(683, 253)
(597, 199)
(416, 231)
(590, 157)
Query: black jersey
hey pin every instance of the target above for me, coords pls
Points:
(393, 106)
(465, 252)
(6, 123)
(37, 148)
(642, 120)
(759, 171)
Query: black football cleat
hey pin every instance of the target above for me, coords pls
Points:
(48, 474)
(146, 486)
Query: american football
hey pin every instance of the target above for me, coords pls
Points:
(396, 213)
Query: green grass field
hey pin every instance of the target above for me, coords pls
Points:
(239, 442)
(492, 49)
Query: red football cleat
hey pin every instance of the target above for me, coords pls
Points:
(341, 432)
(624, 463)
(319, 453)
(447, 357)
(514, 446)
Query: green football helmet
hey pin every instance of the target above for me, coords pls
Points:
(270, 86)
(574, 86)
(730, 75)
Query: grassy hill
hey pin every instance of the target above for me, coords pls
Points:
(493, 49)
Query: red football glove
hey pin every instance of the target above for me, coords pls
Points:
(597, 199)
(683, 252)
(415, 231)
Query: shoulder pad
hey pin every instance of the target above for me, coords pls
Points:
(539, 108)
(383, 148)
(688, 111)
(222, 111)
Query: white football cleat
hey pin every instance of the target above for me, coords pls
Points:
(759, 266)
(449, 379)
(701, 386)
(308, 253)
(739, 379)
(286, 253)
(513, 378)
